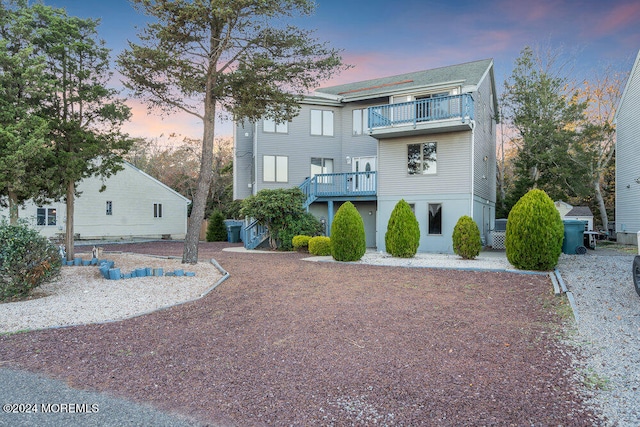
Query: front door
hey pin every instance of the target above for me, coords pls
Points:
(364, 181)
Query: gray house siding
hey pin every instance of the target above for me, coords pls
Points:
(628, 159)
(243, 166)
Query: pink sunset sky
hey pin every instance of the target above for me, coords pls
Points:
(383, 38)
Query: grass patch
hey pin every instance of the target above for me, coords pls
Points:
(21, 331)
(594, 381)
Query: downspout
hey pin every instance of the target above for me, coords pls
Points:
(473, 175)
(255, 158)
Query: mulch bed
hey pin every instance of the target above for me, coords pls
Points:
(290, 342)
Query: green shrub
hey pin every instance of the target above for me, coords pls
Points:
(216, 229)
(301, 242)
(466, 238)
(27, 260)
(348, 241)
(403, 232)
(302, 224)
(320, 246)
(534, 233)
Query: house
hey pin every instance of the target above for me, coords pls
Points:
(627, 120)
(579, 213)
(562, 207)
(133, 204)
(427, 137)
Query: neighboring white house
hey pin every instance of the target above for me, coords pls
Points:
(133, 204)
(627, 121)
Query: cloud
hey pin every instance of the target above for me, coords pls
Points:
(619, 17)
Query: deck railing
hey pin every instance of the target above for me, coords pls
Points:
(421, 111)
(339, 185)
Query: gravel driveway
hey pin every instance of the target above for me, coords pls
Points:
(288, 342)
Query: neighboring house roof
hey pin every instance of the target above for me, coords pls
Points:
(470, 73)
(636, 64)
(171, 190)
(580, 211)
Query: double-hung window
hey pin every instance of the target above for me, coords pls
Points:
(421, 158)
(275, 168)
(322, 122)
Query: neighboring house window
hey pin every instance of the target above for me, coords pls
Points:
(421, 158)
(322, 122)
(109, 207)
(435, 218)
(270, 126)
(46, 216)
(413, 207)
(157, 210)
(360, 121)
(275, 168)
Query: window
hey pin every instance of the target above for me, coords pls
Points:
(360, 121)
(421, 158)
(157, 210)
(46, 216)
(270, 126)
(435, 218)
(321, 165)
(109, 207)
(275, 168)
(322, 122)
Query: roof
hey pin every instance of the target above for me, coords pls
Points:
(469, 73)
(636, 64)
(580, 211)
(160, 183)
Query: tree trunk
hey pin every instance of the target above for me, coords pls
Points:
(190, 252)
(601, 204)
(13, 208)
(68, 240)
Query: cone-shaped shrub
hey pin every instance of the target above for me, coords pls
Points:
(466, 238)
(216, 230)
(534, 233)
(348, 242)
(403, 232)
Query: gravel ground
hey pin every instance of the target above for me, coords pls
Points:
(303, 345)
(608, 336)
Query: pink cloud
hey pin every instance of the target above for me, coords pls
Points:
(620, 16)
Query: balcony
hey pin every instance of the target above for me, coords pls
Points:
(422, 116)
(340, 186)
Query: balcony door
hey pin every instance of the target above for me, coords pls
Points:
(364, 181)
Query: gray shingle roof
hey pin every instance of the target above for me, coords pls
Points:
(580, 211)
(469, 73)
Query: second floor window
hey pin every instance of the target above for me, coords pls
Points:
(360, 121)
(421, 158)
(275, 168)
(322, 122)
(270, 126)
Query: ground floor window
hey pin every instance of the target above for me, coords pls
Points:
(109, 207)
(46, 216)
(157, 210)
(435, 218)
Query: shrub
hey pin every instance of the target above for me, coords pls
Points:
(403, 232)
(27, 260)
(302, 224)
(348, 241)
(466, 238)
(320, 246)
(216, 229)
(301, 242)
(534, 233)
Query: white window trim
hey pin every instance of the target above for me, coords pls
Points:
(280, 168)
(326, 125)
